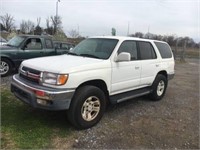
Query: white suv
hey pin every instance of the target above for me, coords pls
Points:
(98, 71)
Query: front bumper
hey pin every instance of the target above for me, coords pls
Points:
(41, 97)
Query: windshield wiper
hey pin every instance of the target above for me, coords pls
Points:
(70, 53)
(89, 55)
(10, 45)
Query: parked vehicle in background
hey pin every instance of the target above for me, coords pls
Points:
(98, 71)
(63, 46)
(24, 47)
(2, 41)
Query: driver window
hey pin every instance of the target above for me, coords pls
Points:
(33, 43)
(129, 47)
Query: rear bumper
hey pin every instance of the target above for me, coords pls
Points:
(41, 97)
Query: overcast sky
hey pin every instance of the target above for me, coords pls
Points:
(97, 17)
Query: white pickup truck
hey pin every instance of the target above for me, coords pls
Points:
(98, 71)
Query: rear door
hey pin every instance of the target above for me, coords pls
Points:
(49, 48)
(149, 63)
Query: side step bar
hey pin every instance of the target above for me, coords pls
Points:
(129, 95)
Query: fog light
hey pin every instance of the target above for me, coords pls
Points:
(41, 102)
(40, 93)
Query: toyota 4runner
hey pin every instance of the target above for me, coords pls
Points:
(98, 71)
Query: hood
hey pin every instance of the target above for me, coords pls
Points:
(5, 47)
(64, 63)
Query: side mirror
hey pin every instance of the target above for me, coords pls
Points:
(70, 49)
(24, 47)
(123, 57)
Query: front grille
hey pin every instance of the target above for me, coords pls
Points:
(31, 70)
(29, 74)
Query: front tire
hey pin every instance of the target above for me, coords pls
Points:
(159, 87)
(87, 107)
(5, 67)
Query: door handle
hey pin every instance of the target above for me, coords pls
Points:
(157, 65)
(136, 68)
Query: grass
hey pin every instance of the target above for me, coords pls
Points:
(23, 127)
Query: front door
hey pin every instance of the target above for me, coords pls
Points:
(32, 48)
(126, 75)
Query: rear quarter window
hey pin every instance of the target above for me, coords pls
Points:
(164, 50)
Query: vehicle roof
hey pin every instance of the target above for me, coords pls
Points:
(127, 38)
(36, 36)
(62, 42)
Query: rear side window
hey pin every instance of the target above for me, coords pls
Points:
(49, 44)
(164, 50)
(146, 50)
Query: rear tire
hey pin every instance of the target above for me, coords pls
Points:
(5, 67)
(87, 107)
(159, 87)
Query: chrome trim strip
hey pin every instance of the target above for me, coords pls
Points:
(49, 92)
(29, 74)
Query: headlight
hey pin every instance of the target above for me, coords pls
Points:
(53, 78)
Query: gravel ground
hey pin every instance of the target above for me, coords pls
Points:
(172, 122)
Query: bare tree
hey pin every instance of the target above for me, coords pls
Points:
(23, 27)
(48, 23)
(8, 22)
(56, 23)
(38, 29)
(139, 34)
(49, 29)
(30, 26)
(185, 43)
(27, 27)
(171, 40)
(73, 33)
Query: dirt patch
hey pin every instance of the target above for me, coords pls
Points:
(6, 141)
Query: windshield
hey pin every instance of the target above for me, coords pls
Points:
(95, 47)
(15, 41)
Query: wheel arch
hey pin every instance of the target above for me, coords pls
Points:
(164, 73)
(97, 83)
(7, 58)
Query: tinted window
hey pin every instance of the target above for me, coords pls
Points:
(129, 47)
(49, 44)
(164, 50)
(146, 50)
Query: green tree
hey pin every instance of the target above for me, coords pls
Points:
(113, 32)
